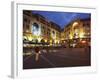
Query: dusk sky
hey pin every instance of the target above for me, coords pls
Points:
(62, 18)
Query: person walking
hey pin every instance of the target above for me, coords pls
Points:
(37, 52)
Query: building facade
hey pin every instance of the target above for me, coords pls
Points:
(37, 29)
(77, 31)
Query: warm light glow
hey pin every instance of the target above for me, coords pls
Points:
(58, 41)
(71, 37)
(81, 35)
(30, 38)
(39, 39)
(50, 41)
(62, 38)
(45, 40)
(55, 41)
(24, 37)
(75, 23)
(27, 31)
(83, 42)
(34, 36)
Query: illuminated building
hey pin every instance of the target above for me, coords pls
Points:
(37, 28)
(78, 30)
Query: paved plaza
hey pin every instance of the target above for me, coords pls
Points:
(58, 57)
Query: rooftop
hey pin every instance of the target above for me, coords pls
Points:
(62, 18)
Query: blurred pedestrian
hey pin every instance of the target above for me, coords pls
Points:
(37, 52)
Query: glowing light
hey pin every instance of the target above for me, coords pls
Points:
(75, 23)
(24, 37)
(50, 41)
(71, 37)
(30, 38)
(62, 38)
(45, 40)
(27, 30)
(39, 39)
(55, 41)
(81, 35)
(58, 41)
(83, 42)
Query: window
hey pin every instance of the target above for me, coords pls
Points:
(53, 32)
(27, 27)
(35, 29)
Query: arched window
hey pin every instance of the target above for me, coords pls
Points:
(53, 32)
(35, 28)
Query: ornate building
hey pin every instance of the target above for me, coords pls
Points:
(77, 30)
(37, 29)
